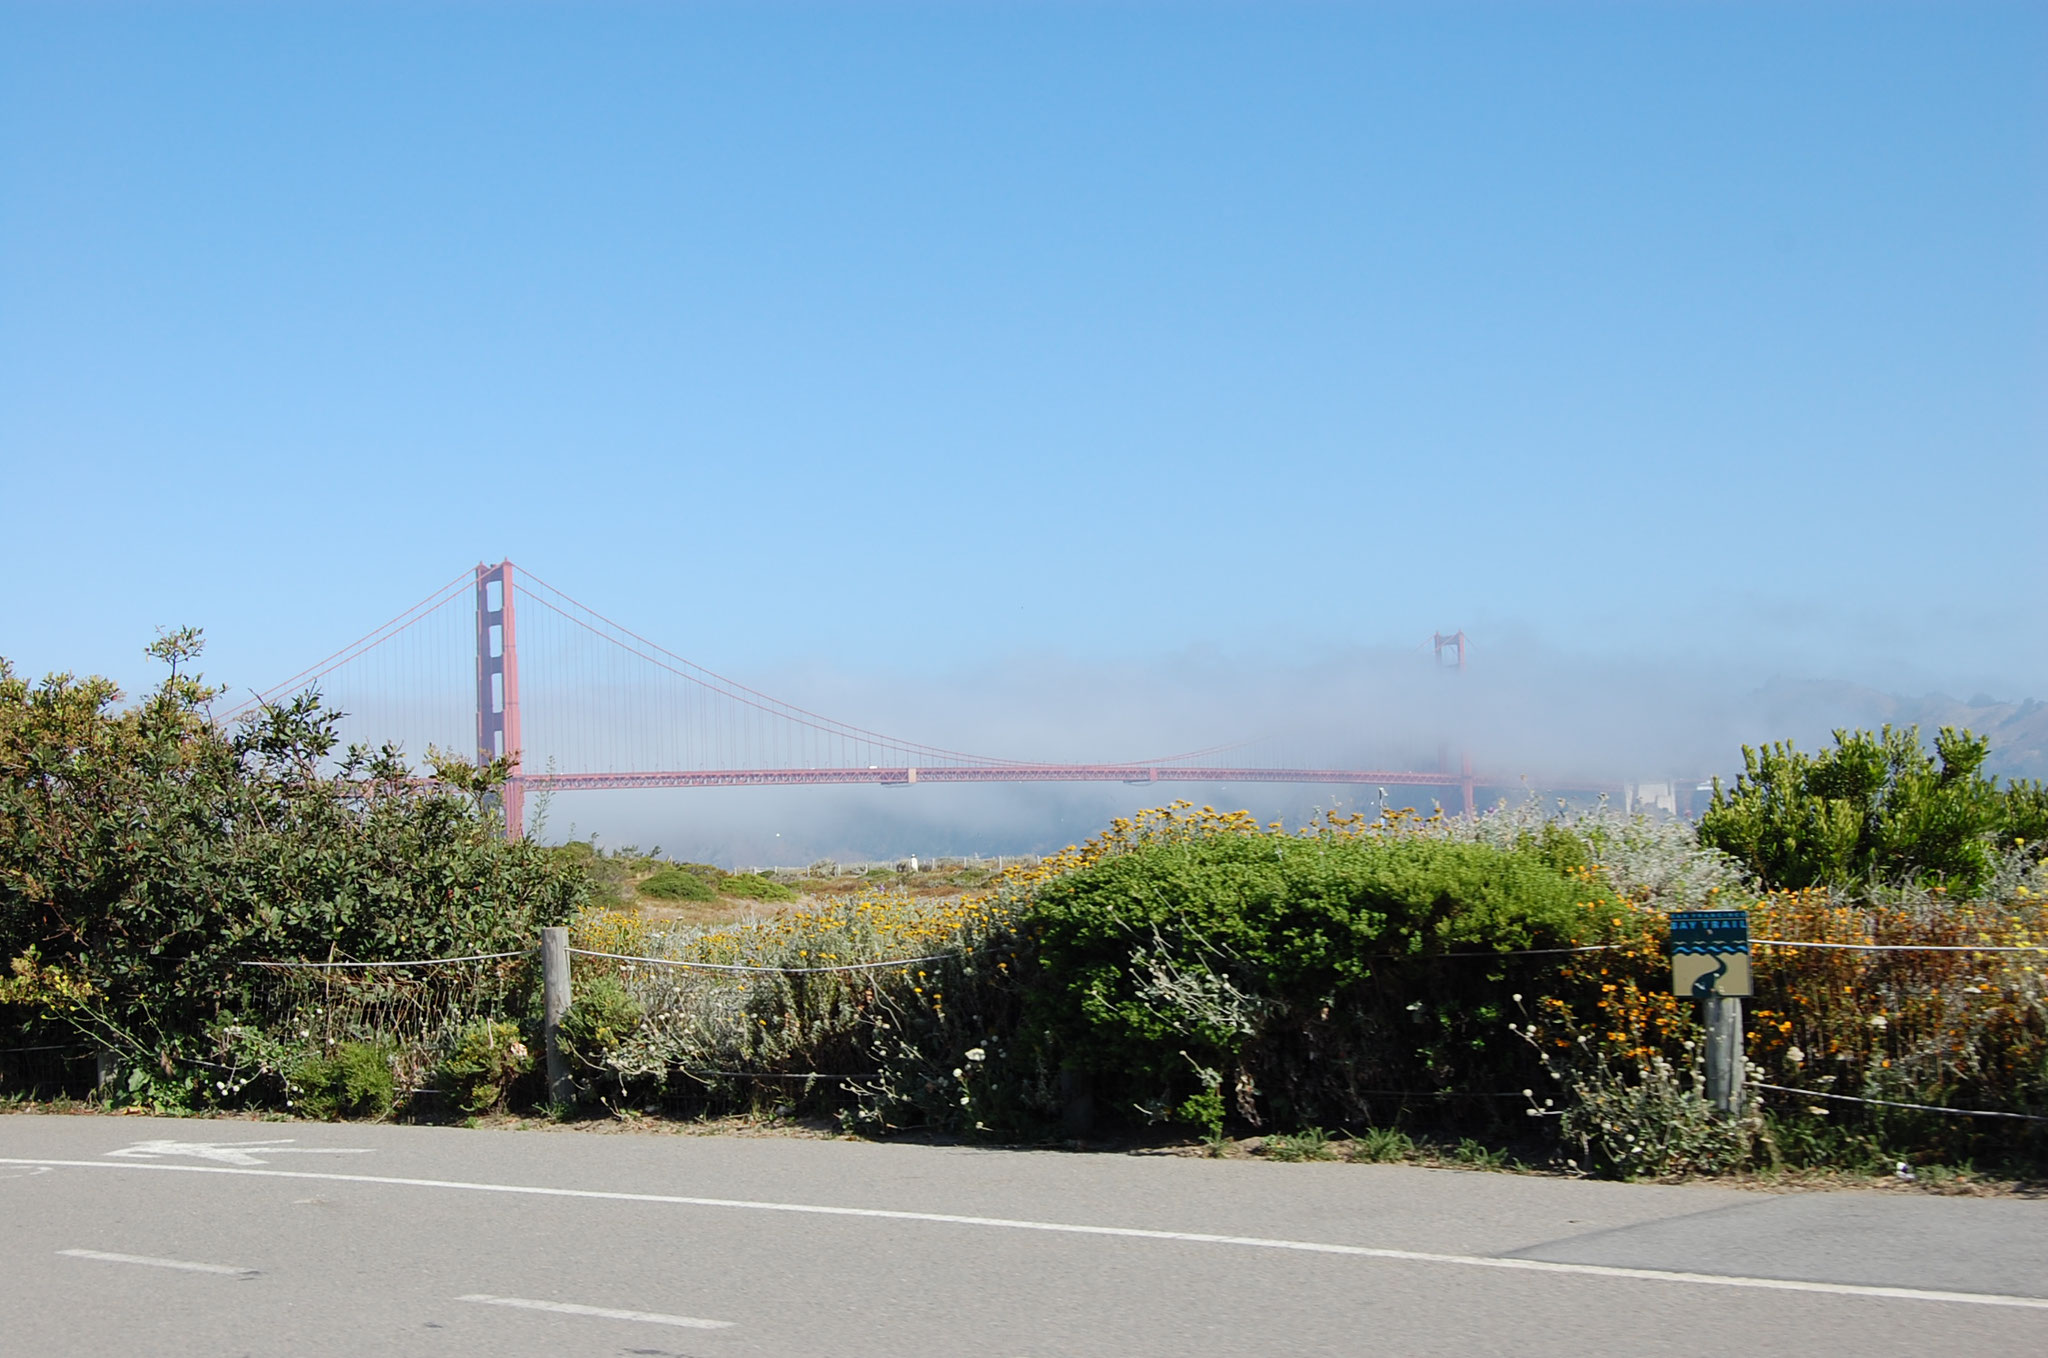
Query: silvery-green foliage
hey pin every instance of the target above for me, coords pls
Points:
(1655, 860)
(2021, 874)
(1638, 1118)
(1195, 999)
(916, 1045)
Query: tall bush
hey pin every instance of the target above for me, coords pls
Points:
(146, 851)
(1875, 810)
(1299, 978)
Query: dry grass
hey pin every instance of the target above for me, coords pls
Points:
(716, 914)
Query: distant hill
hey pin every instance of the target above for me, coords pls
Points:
(2018, 731)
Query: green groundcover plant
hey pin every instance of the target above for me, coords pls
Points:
(483, 1065)
(678, 884)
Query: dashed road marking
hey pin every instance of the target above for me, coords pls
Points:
(570, 1308)
(152, 1261)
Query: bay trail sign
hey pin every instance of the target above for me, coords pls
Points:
(1710, 954)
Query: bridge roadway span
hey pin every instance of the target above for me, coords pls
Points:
(1007, 773)
(220, 1237)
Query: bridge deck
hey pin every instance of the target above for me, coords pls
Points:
(1013, 773)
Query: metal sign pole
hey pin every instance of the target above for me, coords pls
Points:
(1721, 1015)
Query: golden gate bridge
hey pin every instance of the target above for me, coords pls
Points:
(497, 657)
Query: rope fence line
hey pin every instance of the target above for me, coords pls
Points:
(771, 971)
(876, 1075)
(709, 1075)
(1892, 1103)
(903, 964)
(1443, 1093)
(1509, 952)
(1902, 947)
(941, 957)
(414, 962)
(706, 1075)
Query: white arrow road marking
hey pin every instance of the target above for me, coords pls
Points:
(153, 1262)
(570, 1308)
(229, 1152)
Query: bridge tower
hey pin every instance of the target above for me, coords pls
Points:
(497, 685)
(1450, 654)
(1454, 642)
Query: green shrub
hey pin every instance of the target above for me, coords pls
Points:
(1875, 810)
(601, 1016)
(677, 884)
(478, 1072)
(355, 1081)
(754, 887)
(1310, 970)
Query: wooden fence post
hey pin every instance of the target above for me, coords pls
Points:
(1721, 1015)
(554, 981)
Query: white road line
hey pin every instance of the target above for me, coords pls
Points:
(153, 1262)
(570, 1308)
(1654, 1275)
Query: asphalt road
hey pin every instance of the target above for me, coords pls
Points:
(137, 1235)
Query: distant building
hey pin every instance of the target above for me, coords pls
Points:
(1650, 797)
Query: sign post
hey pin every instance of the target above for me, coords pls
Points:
(555, 997)
(1710, 963)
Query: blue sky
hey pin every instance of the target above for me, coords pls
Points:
(901, 340)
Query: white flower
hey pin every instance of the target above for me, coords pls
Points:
(1794, 1055)
(1879, 1021)
(976, 1054)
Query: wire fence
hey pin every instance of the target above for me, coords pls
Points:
(47, 1070)
(1901, 947)
(416, 1007)
(410, 962)
(1895, 1103)
(709, 1022)
(747, 969)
